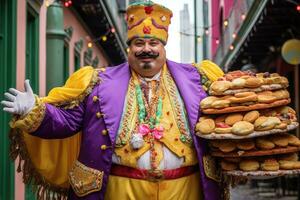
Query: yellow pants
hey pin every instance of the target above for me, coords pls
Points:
(185, 188)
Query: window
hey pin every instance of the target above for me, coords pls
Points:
(76, 60)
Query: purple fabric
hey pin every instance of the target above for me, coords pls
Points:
(60, 123)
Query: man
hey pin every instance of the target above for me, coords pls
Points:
(136, 120)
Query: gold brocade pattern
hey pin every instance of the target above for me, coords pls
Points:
(173, 120)
(32, 120)
(85, 180)
(210, 168)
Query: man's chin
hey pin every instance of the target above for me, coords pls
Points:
(147, 65)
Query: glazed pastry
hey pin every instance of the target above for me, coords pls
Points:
(233, 118)
(243, 97)
(242, 128)
(289, 157)
(267, 123)
(203, 118)
(206, 126)
(261, 98)
(253, 82)
(238, 83)
(220, 103)
(251, 116)
(227, 146)
(264, 144)
(286, 165)
(281, 126)
(296, 164)
(249, 165)
(270, 165)
(293, 140)
(221, 118)
(246, 145)
(280, 141)
(220, 86)
(281, 94)
(223, 130)
(228, 166)
(206, 102)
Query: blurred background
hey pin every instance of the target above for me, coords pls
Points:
(46, 41)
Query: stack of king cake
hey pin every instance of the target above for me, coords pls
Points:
(246, 119)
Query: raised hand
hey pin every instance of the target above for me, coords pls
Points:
(17, 102)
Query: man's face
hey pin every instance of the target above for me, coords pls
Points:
(146, 56)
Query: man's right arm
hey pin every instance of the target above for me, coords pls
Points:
(41, 119)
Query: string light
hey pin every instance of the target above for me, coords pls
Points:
(47, 3)
(90, 45)
(298, 8)
(243, 16)
(199, 39)
(113, 30)
(225, 23)
(67, 3)
(127, 50)
(206, 31)
(231, 47)
(233, 35)
(104, 38)
(217, 41)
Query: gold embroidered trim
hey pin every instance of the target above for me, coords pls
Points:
(210, 168)
(123, 136)
(180, 116)
(76, 101)
(30, 122)
(205, 82)
(85, 180)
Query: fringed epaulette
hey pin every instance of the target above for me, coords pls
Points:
(209, 72)
(73, 102)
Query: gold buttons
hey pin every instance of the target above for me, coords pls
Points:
(103, 147)
(104, 132)
(99, 114)
(95, 98)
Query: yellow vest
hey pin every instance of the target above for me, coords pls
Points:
(176, 136)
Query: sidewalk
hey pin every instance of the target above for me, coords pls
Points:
(245, 192)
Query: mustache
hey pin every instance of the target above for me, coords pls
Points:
(146, 54)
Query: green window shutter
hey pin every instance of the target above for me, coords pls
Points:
(8, 27)
(32, 48)
(76, 60)
(66, 62)
(32, 63)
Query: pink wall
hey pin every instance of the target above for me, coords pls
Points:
(80, 32)
(20, 77)
(218, 7)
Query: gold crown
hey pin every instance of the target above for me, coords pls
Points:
(148, 20)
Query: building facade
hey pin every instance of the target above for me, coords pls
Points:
(186, 36)
(46, 41)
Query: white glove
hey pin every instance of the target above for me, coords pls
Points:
(19, 103)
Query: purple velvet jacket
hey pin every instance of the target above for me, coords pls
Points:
(111, 92)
